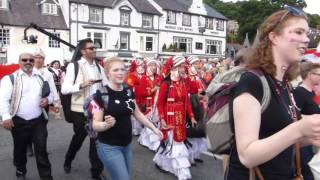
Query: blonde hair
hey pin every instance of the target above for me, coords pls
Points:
(108, 63)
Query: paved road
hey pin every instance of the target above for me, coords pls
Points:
(60, 134)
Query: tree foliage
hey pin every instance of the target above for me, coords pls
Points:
(250, 14)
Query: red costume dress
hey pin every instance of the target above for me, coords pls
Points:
(148, 97)
(173, 106)
(133, 80)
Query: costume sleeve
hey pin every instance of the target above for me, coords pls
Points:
(143, 89)
(162, 97)
(188, 106)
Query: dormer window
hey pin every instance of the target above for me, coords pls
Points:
(125, 12)
(171, 17)
(3, 4)
(49, 8)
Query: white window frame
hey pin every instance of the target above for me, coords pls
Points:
(220, 25)
(5, 36)
(147, 21)
(124, 36)
(95, 15)
(144, 41)
(216, 43)
(94, 36)
(125, 18)
(187, 41)
(50, 8)
(171, 17)
(186, 19)
(54, 43)
(4, 4)
(209, 23)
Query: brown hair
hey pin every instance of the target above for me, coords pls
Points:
(110, 61)
(261, 56)
(307, 67)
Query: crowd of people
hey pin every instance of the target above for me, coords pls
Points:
(166, 104)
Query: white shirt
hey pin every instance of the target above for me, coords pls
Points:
(44, 72)
(68, 87)
(29, 106)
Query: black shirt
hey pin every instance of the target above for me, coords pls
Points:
(120, 106)
(273, 119)
(305, 101)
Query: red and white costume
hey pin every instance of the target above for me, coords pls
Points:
(148, 93)
(173, 106)
(197, 86)
(133, 79)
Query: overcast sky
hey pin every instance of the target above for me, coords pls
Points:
(312, 6)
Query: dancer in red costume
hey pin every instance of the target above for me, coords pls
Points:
(148, 91)
(173, 106)
(198, 104)
(133, 79)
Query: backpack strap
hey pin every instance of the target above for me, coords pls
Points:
(76, 70)
(11, 76)
(265, 87)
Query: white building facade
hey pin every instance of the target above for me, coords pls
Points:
(148, 28)
(15, 16)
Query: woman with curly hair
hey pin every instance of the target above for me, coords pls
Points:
(267, 142)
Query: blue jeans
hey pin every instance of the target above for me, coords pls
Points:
(116, 160)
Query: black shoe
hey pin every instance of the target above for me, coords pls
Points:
(193, 164)
(67, 168)
(21, 175)
(199, 160)
(99, 177)
(160, 169)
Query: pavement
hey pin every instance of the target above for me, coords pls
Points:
(60, 133)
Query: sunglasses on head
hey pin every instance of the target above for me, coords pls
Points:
(293, 11)
(27, 60)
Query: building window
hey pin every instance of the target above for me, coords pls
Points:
(4, 36)
(3, 4)
(171, 17)
(149, 43)
(49, 8)
(183, 44)
(95, 15)
(198, 46)
(124, 41)
(124, 18)
(209, 23)
(54, 43)
(213, 47)
(97, 39)
(186, 20)
(147, 21)
(220, 25)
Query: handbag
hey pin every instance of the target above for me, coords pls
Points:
(199, 130)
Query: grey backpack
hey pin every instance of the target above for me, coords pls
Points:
(219, 91)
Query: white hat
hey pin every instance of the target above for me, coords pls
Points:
(177, 60)
(149, 61)
(139, 62)
(214, 60)
(39, 52)
(193, 59)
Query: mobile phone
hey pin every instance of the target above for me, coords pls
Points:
(97, 81)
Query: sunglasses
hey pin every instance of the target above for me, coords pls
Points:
(293, 11)
(27, 60)
(91, 48)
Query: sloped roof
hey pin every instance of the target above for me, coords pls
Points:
(22, 13)
(103, 3)
(142, 6)
(184, 5)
